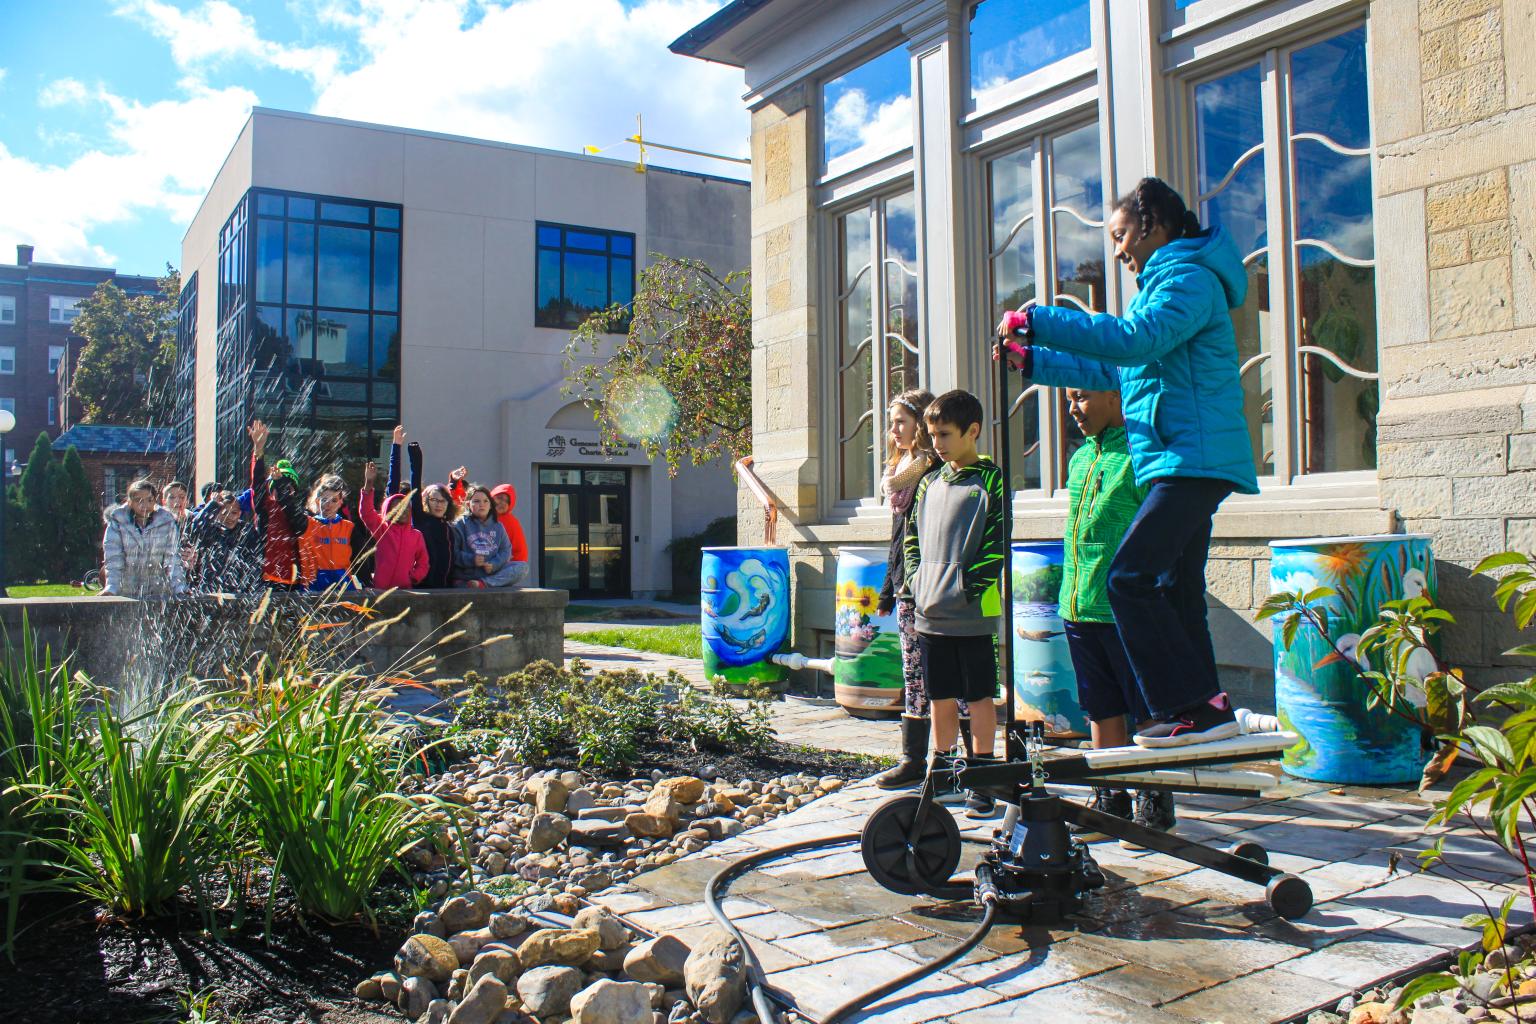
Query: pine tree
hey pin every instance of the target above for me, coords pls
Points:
(30, 537)
(79, 523)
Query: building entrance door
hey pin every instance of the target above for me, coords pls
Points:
(584, 534)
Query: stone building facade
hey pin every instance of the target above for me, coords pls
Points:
(1376, 162)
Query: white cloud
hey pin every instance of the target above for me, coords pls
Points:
(215, 32)
(852, 126)
(62, 91)
(539, 72)
(157, 158)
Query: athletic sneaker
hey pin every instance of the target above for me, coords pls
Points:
(1154, 810)
(1204, 723)
(979, 805)
(1108, 801)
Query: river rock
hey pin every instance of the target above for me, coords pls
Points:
(606, 813)
(658, 826)
(389, 987)
(547, 991)
(829, 783)
(1439, 1015)
(660, 960)
(415, 994)
(438, 1011)
(716, 976)
(428, 923)
(600, 832)
(662, 804)
(720, 828)
(504, 964)
(466, 913)
(372, 989)
(508, 926)
(1373, 1012)
(426, 956)
(467, 944)
(483, 1004)
(579, 800)
(609, 961)
(686, 789)
(547, 831)
(612, 1002)
(611, 933)
(569, 947)
(548, 793)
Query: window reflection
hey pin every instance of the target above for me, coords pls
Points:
(1077, 218)
(867, 112)
(1013, 38)
(855, 355)
(901, 277)
(581, 271)
(344, 267)
(386, 270)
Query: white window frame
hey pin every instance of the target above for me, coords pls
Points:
(7, 309)
(63, 309)
(1271, 53)
(1066, 71)
(53, 410)
(8, 356)
(56, 355)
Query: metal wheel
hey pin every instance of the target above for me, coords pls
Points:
(1250, 851)
(1289, 896)
(901, 862)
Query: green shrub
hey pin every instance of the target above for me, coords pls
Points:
(688, 554)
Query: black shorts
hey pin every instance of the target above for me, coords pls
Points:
(959, 667)
(1106, 683)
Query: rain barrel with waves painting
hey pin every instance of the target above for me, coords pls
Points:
(744, 601)
(1318, 690)
(868, 666)
(1044, 682)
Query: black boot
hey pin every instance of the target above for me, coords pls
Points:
(914, 755)
(1110, 801)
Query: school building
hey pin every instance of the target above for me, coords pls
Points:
(920, 166)
(343, 277)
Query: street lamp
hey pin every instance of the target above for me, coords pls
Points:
(7, 424)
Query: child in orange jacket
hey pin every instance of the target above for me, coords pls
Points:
(329, 537)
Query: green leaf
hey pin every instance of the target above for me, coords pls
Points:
(1491, 745)
(1426, 984)
(1523, 651)
(1288, 632)
(1501, 560)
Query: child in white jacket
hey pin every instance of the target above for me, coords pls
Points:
(141, 547)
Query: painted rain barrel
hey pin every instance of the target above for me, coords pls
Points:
(1318, 693)
(867, 671)
(1044, 683)
(744, 605)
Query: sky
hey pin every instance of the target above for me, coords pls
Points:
(115, 115)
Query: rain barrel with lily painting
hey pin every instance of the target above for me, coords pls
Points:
(744, 601)
(867, 671)
(1044, 682)
(1319, 692)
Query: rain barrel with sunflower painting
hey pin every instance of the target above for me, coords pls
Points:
(1319, 691)
(867, 671)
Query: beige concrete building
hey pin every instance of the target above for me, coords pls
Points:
(921, 165)
(343, 277)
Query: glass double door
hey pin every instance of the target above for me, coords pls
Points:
(584, 520)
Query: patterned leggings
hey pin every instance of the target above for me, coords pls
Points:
(916, 693)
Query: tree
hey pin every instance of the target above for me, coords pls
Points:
(126, 372)
(77, 516)
(680, 379)
(28, 515)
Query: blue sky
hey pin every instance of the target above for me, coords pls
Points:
(116, 114)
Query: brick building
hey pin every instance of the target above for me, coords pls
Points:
(114, 457)
(37, 348)
(1376, 161)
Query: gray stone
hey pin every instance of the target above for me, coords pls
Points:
(438, 1011)
(611, 933)
(721, 827)
(716, 977)
(415, 994)
(547, 991)
(609, 961)
(579, 800)
(508, 926)
(661, 960)
(426, 956)
(504, 964)
(658, 994)
(605, 813)
(612, 1002)
(547, 831)
(548, 794)
(599, 832)
(483, 1004)
(466, 913)
(1439, 1015)
(428, 923)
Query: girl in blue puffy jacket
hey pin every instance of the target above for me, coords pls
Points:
(1173, 358)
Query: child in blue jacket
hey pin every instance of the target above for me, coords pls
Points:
(1173, 358)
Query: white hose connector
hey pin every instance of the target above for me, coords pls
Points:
(794, 661)
(1252, 722)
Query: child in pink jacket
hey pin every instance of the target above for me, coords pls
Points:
(400, 552)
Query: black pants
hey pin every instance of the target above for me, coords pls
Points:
(1157, 592)
(959, 667)
(1106, 684)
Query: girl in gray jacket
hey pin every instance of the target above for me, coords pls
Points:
(141, 549)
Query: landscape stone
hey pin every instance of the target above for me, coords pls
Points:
(438, 1011)
(548, 794)
(1370, 1013)
(483, 1004)
(609, 961)
(546, 991)
(644, 823)
(467, 944)
(685, 789)
(611, 933)
(661, 960)
(662, 804)
(612, 1002)
(716, 977)
(547, 831)
(426, 956)
(415, 994)
(504, 964)
(508, 926)
(600, 832)
(466, 913)
(1439, 1015)
(565, 946)
(428, 923)
(389, 987)
(370, 989)
(578, 800)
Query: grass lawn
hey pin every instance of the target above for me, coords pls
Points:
(684, 640)
(45, 590)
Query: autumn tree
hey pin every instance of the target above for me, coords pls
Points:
(678, 378)
(126, 372)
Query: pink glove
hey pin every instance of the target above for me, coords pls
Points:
(1015, 322)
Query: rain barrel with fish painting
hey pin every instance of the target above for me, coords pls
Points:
(1319, 693)
(1044, 682)
(867, 671)
(744, 599)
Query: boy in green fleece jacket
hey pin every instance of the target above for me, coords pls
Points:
(1102, 500)
(955, 551)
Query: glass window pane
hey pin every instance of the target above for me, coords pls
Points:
(269, 260)
(586, 284)
(341, 342)
(386, 270)
(271, 347)
(902, 322)
(559, 476)
(1077, 223)
(1012, 243)
(586, 240)
(1024, 442)
(386, 217)
(1328, 102)
(1012, 38)
(549, 235)
(605, 477)
(344, 267)
(621, 276)
(623, 245)
(304, 208)
(550, 312)
(301, 263)
(269, 204)
(867, 112)
(345, 212)
(386, 347)
(855, 359)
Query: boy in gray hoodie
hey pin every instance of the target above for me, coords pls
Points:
(955, 551)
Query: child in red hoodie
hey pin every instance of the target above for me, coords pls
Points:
(505, 497)
(400, 555)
